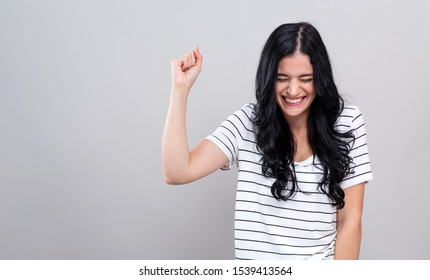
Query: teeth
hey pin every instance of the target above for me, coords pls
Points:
(297, 100)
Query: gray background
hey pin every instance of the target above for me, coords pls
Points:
(84, 90)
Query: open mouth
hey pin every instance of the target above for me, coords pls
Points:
(294, 101)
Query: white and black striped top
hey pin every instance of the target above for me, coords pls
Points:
(304, 226)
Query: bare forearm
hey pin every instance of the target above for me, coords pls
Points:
(348, 241)
(175, 150)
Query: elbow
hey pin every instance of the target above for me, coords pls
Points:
(173, 179)
(175, 174)
(354, 225)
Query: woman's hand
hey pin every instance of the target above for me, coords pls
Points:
(186, 69)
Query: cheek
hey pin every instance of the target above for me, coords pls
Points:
(310, 89)
(279, 88)
(278, 96)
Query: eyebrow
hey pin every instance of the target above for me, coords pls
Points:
(301, 76)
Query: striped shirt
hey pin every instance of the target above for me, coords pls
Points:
(304, 226)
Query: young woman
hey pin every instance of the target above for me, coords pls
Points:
(301, 152)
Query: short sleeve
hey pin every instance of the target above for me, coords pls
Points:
(229, 135)
(361, 172)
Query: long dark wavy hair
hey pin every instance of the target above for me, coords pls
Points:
(274, 137)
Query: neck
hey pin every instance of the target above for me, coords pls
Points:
(298, 125)
(299, 128)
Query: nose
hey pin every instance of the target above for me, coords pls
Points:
(293, 89)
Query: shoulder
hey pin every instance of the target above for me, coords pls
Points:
(248, 109)
(349, 118)
(245, 114)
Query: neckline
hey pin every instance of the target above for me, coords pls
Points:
(305, 162)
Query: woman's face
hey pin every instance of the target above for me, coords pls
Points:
(295, 88)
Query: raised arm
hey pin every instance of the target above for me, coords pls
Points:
(180, 165)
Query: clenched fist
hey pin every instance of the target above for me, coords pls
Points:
(186, 69)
